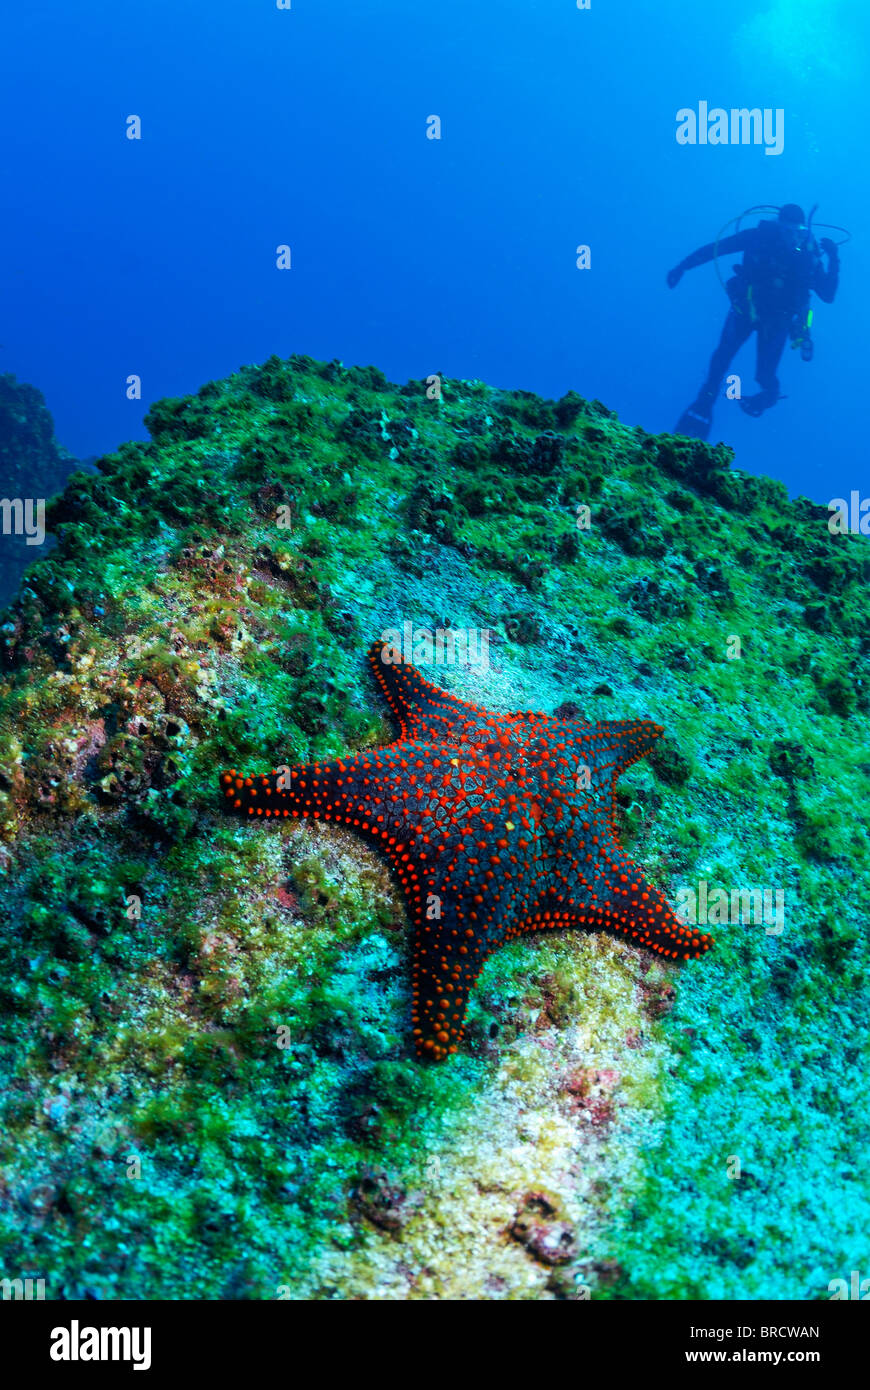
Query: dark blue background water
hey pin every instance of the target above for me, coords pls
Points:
(308, 126)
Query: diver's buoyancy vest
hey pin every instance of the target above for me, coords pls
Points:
(777, 276)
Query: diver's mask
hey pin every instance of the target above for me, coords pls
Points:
(794, 234)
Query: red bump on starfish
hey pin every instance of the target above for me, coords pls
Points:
(493, 824)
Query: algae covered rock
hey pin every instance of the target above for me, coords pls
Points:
(206, 1087)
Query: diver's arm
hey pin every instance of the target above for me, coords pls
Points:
(825, 281)
(740, 241)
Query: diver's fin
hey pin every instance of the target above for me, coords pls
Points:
(757, 404)
(695, 423)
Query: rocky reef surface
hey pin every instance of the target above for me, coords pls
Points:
(206, 1085)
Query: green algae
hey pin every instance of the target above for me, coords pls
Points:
(215, 1097)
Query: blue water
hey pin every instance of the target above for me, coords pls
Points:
(307, 127)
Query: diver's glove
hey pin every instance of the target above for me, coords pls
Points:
(830, 248)
(675, 276)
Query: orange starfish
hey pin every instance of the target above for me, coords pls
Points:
(495, 825)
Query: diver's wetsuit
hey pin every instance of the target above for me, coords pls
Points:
(767, 291)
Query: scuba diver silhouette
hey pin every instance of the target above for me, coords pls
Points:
(770, 296)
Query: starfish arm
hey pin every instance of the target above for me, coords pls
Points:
(620, 742)
(615, 895)
(369, 792)
(447, 959)
(349, 792)
(424, 711)
(313, 790)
